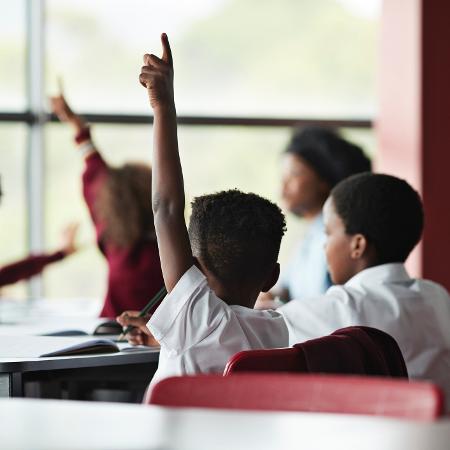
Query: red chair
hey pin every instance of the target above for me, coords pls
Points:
(352, 351)
(270, 360)
(309, 393)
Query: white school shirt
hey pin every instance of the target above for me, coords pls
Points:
(415, 312)
(198, 332)
(306, 274)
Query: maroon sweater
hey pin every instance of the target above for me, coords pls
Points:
(28, 267)
(134, 274)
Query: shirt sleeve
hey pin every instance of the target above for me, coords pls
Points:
(188, 314)
(93, 178)
(319, 316)
(27, 267)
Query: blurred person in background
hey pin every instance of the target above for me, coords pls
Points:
(315, 160)
(119, 203)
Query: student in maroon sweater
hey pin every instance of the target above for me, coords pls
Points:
(35, 264)
(119, 205)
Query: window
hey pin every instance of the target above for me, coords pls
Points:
(13, 216)
(232, 58)
(237, 64)
(12, 56)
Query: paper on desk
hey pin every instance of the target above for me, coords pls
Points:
(125, 347)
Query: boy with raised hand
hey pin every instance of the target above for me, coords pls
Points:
(215, 271)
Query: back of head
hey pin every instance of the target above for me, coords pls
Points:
(383, 208)
(236, 235)
(124, 205)
(331, 156)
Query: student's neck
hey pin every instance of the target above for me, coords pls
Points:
(234, 295)
(363, 264)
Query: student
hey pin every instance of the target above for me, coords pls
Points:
(35, 264)
(213, 272)
(315, 160)
(372, 223)
(119, 204)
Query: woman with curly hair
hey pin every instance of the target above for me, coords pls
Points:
(119, 202)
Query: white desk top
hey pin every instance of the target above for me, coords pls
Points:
(44, 316)
(21, 354)
(52, 424)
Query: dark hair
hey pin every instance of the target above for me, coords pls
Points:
(236, 235)
(331, 156)
(383, 208)
(124, 205)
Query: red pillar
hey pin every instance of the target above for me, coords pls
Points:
(413, 124)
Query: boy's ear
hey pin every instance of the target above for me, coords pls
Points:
(358, 246)
(272, 278)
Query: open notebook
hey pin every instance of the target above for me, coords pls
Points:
(21, 347)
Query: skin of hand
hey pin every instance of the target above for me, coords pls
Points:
(62, 110)
(68, 238)
(140, 335)
(265, 300)
(157, 77)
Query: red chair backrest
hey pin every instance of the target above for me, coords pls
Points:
(294, 392)
(352, 350)
(270, 360)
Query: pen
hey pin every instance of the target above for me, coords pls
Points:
(154, 300)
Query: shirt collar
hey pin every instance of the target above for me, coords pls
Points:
(392, 272)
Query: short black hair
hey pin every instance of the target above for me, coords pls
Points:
(236, 235)
(383, 208)
(331, 156)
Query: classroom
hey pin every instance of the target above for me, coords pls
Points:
(223, 224)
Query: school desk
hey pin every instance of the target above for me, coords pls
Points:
(121, 377)
(85, 377)
(51, 425)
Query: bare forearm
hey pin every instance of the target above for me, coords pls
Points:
(167, 178)
(168, 198)
(77, 123)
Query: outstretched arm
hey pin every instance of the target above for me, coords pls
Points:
(96, 168)
(35, 264)
(64, 112)
(167, 177)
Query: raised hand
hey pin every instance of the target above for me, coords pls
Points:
(61, 108)
(157, 76)
(68, 238)
(167, 177)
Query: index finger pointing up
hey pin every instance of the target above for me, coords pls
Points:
(167, 52)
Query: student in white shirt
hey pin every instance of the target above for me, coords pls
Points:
(214, 272)
(372, 223)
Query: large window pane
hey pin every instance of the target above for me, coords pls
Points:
(213, 158)
(13, 240)
(261, 58)
(12, 55)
